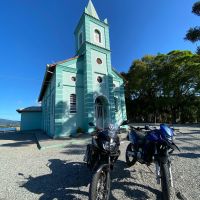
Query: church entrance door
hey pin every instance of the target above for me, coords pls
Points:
(101, 111)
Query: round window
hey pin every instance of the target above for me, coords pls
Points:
(99, 79)
(99, 61)
(73, 78)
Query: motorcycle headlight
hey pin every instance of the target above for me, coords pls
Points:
(113, 146)
(110, 146)
(106, 145)
(166, 132)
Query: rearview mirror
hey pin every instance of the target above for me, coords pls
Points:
(124, 122)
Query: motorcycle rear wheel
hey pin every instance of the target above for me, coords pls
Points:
(100, 186)
(131, 160)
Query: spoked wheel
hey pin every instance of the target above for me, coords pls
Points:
(100, 186)
(131, 155)
(168, 192)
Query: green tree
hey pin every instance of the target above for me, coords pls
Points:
(196, 8)
(193, 34)
(164, 87)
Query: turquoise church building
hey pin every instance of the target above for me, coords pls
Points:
(84, 88)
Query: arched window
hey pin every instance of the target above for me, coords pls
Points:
(72, 103)
(80, 39)
(97, 36)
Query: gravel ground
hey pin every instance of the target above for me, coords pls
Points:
(59, 173)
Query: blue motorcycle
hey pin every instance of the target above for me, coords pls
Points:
(154, 145)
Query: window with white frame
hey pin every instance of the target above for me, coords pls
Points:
(72, 103)
(97, 36)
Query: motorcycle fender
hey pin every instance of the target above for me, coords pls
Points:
(104, 166)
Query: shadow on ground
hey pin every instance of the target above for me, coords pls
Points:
(16, 139)
(75, 149)
(188, 155)
(189, 145)
(67, 179)
(62, 183)
(131, 188)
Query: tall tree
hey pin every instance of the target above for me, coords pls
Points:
(164, 87)
(193, 34)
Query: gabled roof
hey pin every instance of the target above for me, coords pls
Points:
(48, 75)
(30, 109)
(90, 10)
(62, 61)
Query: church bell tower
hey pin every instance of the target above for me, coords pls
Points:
(93, 43)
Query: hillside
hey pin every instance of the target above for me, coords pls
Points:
(5, 122)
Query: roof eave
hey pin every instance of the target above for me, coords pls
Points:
(21, 111)
(118, 74)
(43, 88)
(51, 72)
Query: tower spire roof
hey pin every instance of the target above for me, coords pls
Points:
(90, 10)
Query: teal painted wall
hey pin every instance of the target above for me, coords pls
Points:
(48, 108)
(31, 121)
(66, 123)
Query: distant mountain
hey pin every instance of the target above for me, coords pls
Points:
(6, 122)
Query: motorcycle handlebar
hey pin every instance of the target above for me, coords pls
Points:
(140, 129)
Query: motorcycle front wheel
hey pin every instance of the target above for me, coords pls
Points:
(131, 155)
(100, 186)
(168, 192)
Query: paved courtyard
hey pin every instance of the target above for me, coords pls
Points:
(58, 173)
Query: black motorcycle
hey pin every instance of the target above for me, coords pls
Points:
(100, 157)
(154, 145)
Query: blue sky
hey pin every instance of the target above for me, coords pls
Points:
(36, 33)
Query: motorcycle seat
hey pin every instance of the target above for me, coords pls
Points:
(139, 136)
